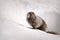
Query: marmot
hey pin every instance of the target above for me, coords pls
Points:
(37, 22)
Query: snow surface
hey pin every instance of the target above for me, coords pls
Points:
(13, 31)
(13, 24)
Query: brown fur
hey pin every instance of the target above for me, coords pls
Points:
(31, 18)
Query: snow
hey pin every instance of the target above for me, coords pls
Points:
(13, 31)
(13, 24)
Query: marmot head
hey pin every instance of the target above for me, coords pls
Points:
(31, 16)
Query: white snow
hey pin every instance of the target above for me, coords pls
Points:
(13, 24)
(13, 31)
